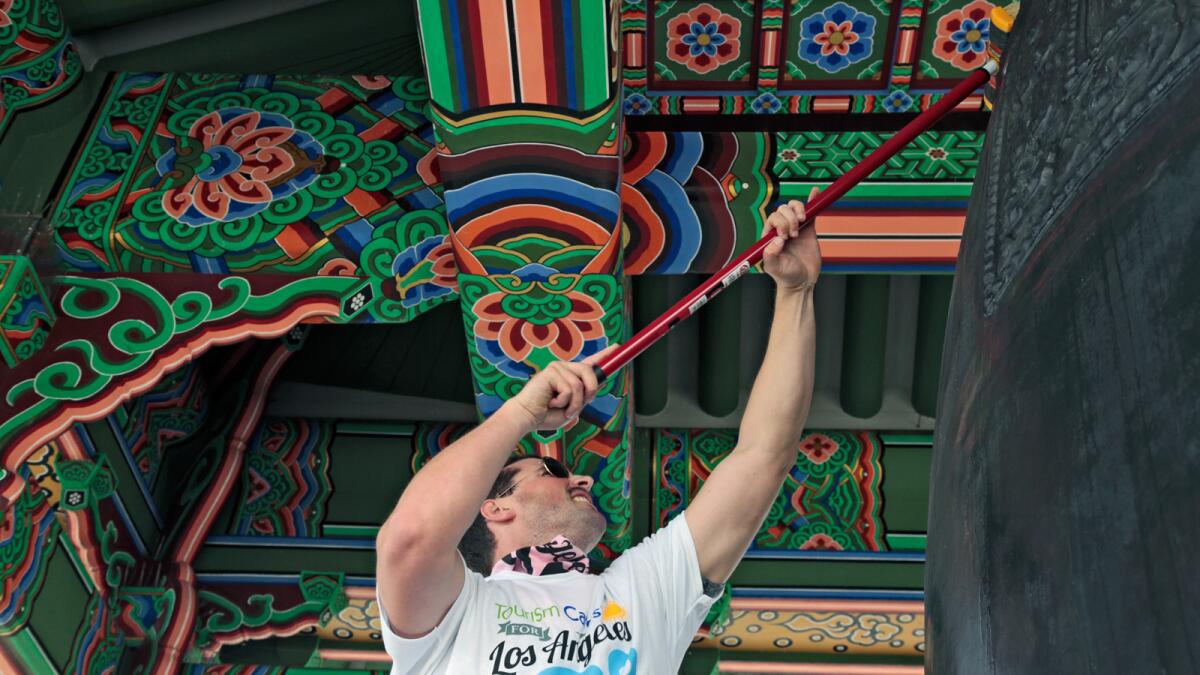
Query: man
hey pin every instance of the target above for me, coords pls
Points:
(518, 598)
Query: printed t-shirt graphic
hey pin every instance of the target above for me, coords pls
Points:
(638, 616)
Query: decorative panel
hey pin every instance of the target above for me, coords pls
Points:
(943, 156)
(840, 45)
(830, 500)
(285, 479)
(954, 39)
(261, 173)
(848, 628)
(797, 56)
(703, 45)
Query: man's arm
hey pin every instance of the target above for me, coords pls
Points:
(735, 499)
(417, 568)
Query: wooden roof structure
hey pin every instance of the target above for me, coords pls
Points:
(215, 386)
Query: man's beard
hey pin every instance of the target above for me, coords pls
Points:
(580, 523)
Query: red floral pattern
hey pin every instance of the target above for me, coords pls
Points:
(818, 448)
(704, 38)
(517, 336)
(233, 163)
(962, 35)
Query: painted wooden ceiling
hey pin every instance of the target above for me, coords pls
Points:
(388, 370)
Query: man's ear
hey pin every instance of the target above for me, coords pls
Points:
(494, 512)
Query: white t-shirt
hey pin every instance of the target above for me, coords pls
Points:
(639, 616)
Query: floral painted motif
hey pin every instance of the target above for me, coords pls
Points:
(766, 104)
(837, 37)
(425, 271)
(544, 310)
(897, 101)
(962, 35)
(704, 38)
(233, 163)
(635, 104)
(5, 8)
(818, 448)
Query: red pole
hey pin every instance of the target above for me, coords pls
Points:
(740, 265)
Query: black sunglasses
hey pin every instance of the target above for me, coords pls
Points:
(550, 467)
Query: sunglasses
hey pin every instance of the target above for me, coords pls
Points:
(550, 467)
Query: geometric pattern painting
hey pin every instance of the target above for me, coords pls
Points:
(932, 156)
(285, 479)
(798, 56)
(830, 500)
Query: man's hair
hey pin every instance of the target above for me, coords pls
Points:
(478, 545)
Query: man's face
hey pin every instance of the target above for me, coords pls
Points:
(550, 506)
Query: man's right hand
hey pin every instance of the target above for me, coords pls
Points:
(556, 395)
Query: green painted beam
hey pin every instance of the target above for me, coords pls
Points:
(285, 559)
(866, 574)
(921, 438)
(60, 608)
(651, 297)
(932, 308)
(351, 531)
(368, 474)
(436, 40)
(80, 570)
(593, 52)
(800, 190)
(718, 386)
(864, 341)
(907, 542)
(30, 651)
(644, 483)
(906, 472)
(700, 662)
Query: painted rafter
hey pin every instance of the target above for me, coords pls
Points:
(202, 515)
(158, 324)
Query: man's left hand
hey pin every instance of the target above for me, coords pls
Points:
(794, 258)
